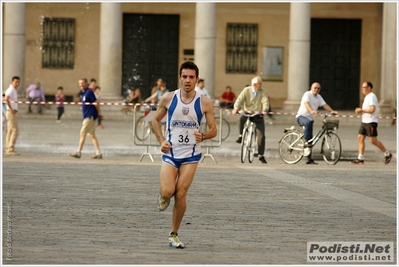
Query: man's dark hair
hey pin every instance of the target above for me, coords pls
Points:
(93, 80)
(189, 65)
(370, 85)
(15, 78)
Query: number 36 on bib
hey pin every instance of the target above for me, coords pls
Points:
(185, 137)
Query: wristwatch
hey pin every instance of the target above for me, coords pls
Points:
(203, 137)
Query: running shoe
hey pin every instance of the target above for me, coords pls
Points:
(12, 153)
(357, 162)
(162, 203)
(97, 156)
(174, 241)
(239, 140)
(75, 155)
(388, 159)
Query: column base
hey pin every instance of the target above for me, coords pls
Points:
(385, 108)
(291, 105)
(111, 98)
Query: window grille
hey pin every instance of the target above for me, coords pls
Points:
(241, 48)
(58, 43)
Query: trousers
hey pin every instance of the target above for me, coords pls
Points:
(12, 131)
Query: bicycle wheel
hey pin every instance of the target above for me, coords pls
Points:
(252, 146)
(244, 146)
(291, 147)
(331, 148)
(143, 129)
(224, 132)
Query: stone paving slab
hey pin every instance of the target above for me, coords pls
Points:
(64, 210)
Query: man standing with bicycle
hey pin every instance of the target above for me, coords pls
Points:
(310, 102)
(254, 99)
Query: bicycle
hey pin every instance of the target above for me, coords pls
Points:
(225, 130)
(292, 146)
(143, 127)
(249, 142)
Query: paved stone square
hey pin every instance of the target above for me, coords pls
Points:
(62, 210)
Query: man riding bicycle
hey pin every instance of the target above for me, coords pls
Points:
(254, 99)
(310, 102)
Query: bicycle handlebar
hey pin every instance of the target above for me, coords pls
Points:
(325, 114)
(246, 114)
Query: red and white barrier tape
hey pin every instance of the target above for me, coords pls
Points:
(134, 104)
(335, 116)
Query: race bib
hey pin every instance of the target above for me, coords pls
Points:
(184, 138)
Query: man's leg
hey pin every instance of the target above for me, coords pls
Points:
(30, 105)
(307, 133)
(12, 131)
(360, 147)
(81, 140)
(186, 177)
(167, 181)
(377, 143)
(243, 119)
(260, 131)
(82, 137)
(39, 106)
(95, 142)
(241, 128)
(361, 144)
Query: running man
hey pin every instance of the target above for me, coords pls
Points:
(181, 145)
(368, 127)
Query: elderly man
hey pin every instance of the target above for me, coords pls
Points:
(35, 92)
(253, 99)
(310, 103)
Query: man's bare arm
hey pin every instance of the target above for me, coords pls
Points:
(207, 107)
(159, 113)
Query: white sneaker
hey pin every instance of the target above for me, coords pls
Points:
(174, 241)
(162, 203)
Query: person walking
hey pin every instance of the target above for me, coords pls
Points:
(60, 98)
(369, 124)
(90, 113)
(254, 99)
(181, 144)
(97, 93)
(11, 98)
(310, 103)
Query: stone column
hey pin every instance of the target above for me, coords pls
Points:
(298, 55)
(388, 60)
(205, 43)
(110, 76)
(14, 45)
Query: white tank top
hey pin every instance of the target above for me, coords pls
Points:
(183, 119)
